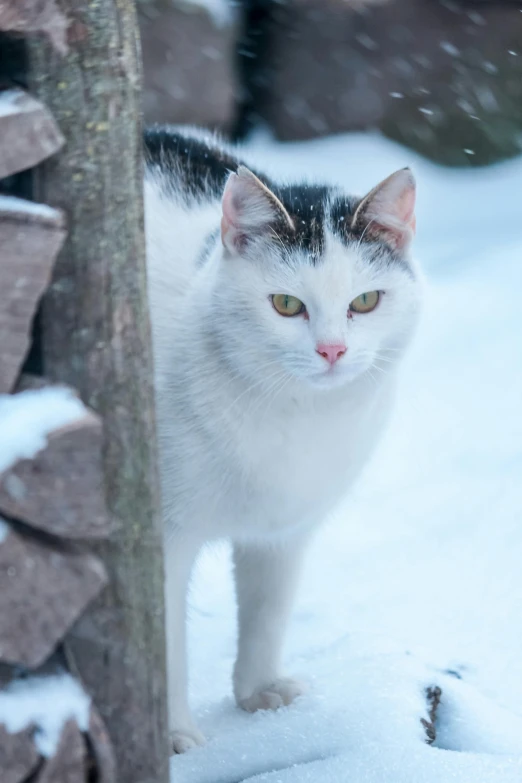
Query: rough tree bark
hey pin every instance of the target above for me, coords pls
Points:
(95, 337)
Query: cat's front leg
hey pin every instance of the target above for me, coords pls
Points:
(180, 552)
(266, 579)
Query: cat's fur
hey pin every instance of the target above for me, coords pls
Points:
(259, 437)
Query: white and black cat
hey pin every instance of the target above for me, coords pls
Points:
(280, 313)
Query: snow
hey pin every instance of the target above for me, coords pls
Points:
(450, 48)
(27, 419)
(4, 530)
(417, 581)
(11, 102)
(47, 703)
(21, 206)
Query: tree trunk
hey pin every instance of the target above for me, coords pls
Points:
(96, 337)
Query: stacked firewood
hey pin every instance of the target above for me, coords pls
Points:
(52, 505)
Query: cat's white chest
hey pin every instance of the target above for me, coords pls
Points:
(252, 474)
(299, 465)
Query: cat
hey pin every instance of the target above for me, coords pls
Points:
(280, 312)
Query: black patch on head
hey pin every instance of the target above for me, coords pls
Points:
(342, 210)
(306, 205)
(199, 168)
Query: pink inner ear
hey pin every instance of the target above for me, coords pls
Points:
(246, 209)
(234, 212)
(229, 215)
(406, 206)
(393, 208)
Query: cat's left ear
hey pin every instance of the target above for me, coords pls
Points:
(388, 211)
(249, 209)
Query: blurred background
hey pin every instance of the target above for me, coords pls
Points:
(416, 581)
(443, 77)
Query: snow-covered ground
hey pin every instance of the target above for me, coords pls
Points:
(421, 573)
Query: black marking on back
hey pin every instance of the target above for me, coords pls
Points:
(192, 164)
(199, 168)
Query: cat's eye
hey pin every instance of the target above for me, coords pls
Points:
(287, 305)
(365, 303)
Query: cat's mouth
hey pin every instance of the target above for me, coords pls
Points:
(338, 374)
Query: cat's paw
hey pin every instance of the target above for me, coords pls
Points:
(185, 738)
(277, 694)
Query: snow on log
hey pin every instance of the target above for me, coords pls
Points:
(27, 419)
(28, 16)
(28, 131)
(51, 473)
(43, 591)
(30, 238)
(18, 755)
(50, 732)
(44, 703)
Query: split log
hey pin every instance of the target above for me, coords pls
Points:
(68, 765)
(61, 490)
(30, 16)
(101, 747)
(18, 755)
(28, 131)
(96, 337)
(30, 237)
(43, 591)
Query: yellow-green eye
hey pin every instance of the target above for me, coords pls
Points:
(365, 303)
(287, 305)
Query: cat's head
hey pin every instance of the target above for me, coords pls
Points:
(312, 283)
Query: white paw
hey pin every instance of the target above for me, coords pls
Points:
(185, 738)
(270, 697)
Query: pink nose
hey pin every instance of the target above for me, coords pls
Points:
(331, 352)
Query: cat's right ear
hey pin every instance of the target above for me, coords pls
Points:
(249, 209)
(388, 211)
